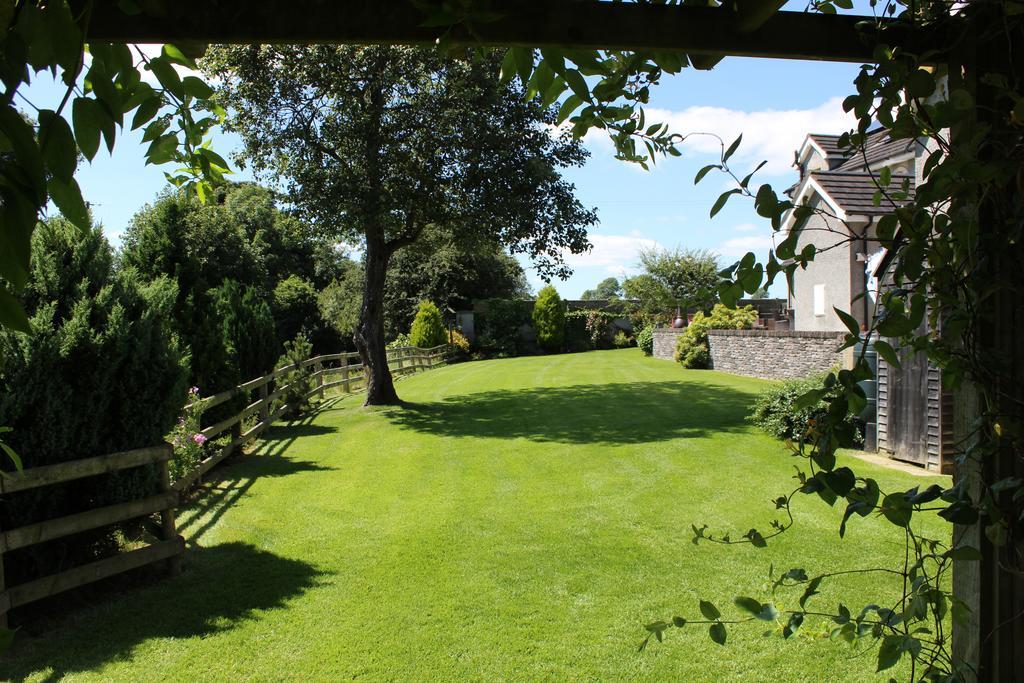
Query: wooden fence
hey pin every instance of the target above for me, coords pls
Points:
(330, 371)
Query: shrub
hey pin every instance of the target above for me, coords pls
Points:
(498, 328)
(459, 341)
(622, 340)
(296, 307)
(775, 412)
(645, 340)
(428, 327)
(549, 320)
(102, 372)
(692, 347)
(189, 444)
(400, 342)
(297, 381)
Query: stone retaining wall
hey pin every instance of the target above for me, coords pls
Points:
(774, 354)
(665, 342)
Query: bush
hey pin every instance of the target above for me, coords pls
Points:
(498, 328)
(692, 347)
(549, 320)
(102, 372)
(775, 413)
(297, 381)
(189, 445)
(400, 342)
(622, 340)
(645, 340)
(296, 307)
(428, 327)
(459, 341)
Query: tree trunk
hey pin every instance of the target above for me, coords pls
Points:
(369, 336)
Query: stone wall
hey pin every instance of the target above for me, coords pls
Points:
(774, 354)
(665, 342)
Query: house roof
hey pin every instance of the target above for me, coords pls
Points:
(854, 193)
(879, 147)
(829, 144)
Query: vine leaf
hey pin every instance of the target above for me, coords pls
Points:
(709, 610)
(717, 632)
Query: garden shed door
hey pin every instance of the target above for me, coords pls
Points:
(907, 409)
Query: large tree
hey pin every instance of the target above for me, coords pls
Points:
(375, 144)
(671, 278)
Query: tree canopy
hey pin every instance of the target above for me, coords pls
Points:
(685, 278)
(377, 144)
(608, 288)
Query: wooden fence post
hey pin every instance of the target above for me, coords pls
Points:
(344, 374)
(5, 604)
(169, 532)
(318, 368)
(264, 408)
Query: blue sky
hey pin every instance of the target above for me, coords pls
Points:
(774, 103)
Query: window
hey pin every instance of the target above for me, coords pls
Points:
(819, 299)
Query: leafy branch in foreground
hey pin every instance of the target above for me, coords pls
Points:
(103, 84)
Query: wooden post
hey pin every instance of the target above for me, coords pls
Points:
(264, 408)
(344, 375)
(318, 368)
(5, 603)
(169, 532)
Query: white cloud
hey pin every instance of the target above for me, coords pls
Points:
(736, 247)
(616, 254)
(770, 134)
(746, 227)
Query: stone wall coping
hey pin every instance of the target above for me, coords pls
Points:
(669, 330)
(800, 334)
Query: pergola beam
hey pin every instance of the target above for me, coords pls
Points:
(719, 31)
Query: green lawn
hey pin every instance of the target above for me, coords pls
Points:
(519, 520)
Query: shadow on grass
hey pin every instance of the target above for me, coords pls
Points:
(631, 412)
(228, 484)
(222, 586)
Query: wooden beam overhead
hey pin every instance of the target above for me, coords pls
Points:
(551, 23)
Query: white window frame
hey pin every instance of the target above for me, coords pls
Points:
(819, 299)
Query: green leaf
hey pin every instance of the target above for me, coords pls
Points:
(146, 111)
(58, 145)
(703, 172)
(22, 141)
(678, 622)
(890, 652)
(896, 509)
(768, 612)
(732, 148)
(722, 199)
(197, 88)
(68, 198)
(167, 76)
(577, 84)
(570, 105)
(709, 610)
(748, 605)
(888, 354)
(851, 323)
(18, 465)
(524, 63)
(508, 66)
(717, 632)
(12, 315)
(174, 54)
(85, 116)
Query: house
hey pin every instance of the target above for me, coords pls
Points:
(842, 184)
(911, 417)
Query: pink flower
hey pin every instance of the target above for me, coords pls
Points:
(199, 439)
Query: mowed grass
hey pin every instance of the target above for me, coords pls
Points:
(519, 519)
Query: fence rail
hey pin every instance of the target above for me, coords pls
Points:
(170, 545)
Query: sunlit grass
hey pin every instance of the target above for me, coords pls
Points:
(518, 520)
